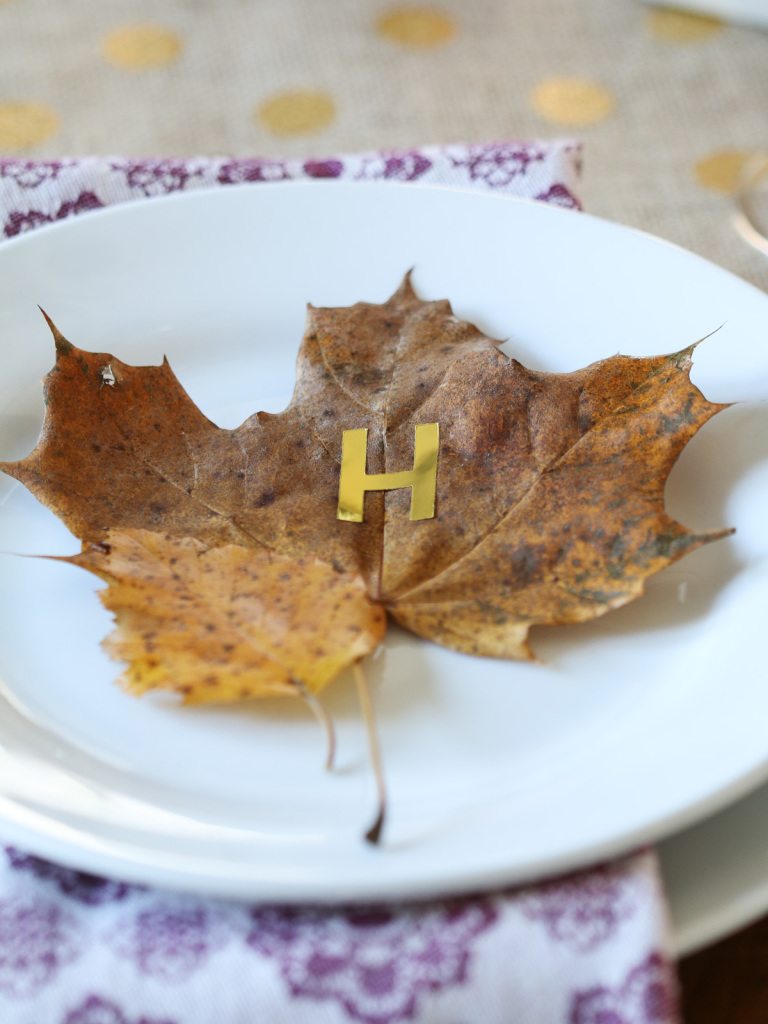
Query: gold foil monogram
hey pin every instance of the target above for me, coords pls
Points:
(422, 479)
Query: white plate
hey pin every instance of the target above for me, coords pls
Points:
(636, 725)
(716, 873)
(751, 12)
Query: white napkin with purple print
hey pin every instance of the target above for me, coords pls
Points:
(588, 949)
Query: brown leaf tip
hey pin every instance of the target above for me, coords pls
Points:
(706, 337)
(405, 291)
(373, 835)
(684, 357)
(62, 345)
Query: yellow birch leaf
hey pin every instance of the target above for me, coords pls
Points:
(227, 623)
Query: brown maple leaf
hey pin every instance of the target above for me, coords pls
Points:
(550, 490)
(549, 502)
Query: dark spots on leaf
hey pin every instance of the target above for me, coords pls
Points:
(524, 564)
(618, 547)
(491, 611)
(683, 417)
(596, 595)
(669, 545)
(265, 499)
(585, 422)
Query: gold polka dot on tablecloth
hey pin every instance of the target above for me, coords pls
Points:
(25, 124)
(141, 46)
(682, 26)
(301, 112)
(722, 170)
(572, 101)
(421, 28)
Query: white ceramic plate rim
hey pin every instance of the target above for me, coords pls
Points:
(715, 874)
(83, 848)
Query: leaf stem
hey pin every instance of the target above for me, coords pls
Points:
(325, 720)
(373, 835)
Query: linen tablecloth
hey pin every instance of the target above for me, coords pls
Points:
(591, 948)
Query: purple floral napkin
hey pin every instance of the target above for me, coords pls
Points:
(591, 948)
(35, 192)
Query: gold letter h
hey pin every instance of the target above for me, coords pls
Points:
(422, 479)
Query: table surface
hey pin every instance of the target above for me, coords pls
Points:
(669, 107)
(728, 981)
